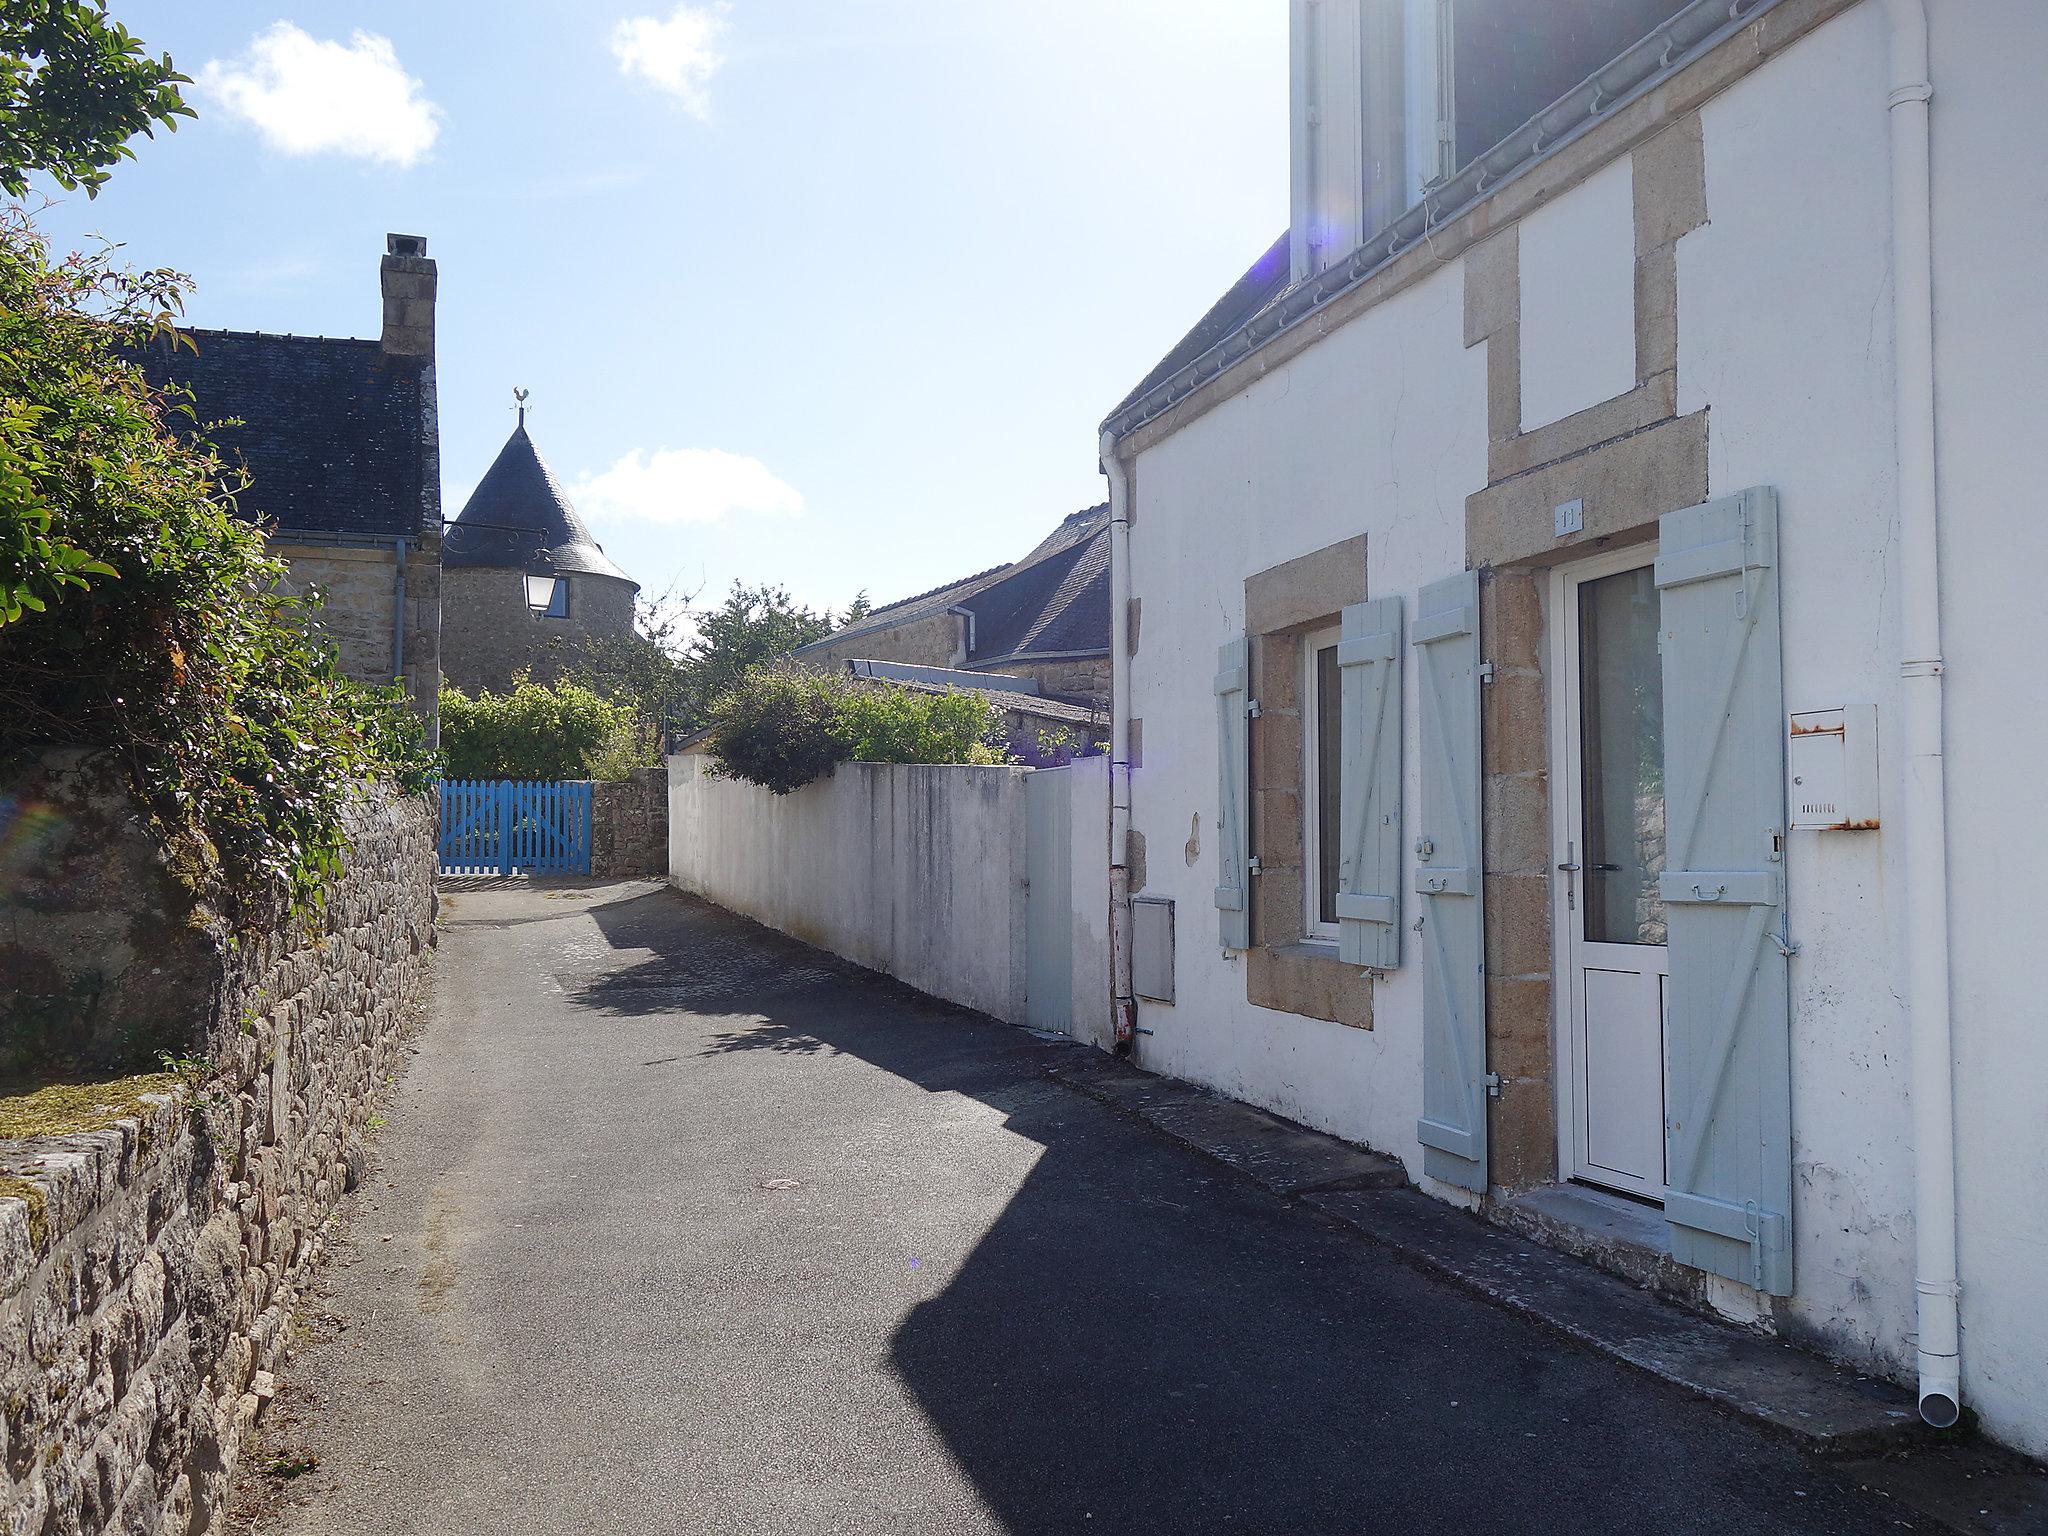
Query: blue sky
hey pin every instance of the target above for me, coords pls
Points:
(831, 294)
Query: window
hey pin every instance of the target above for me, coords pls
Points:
(558, 600)
(1512, 58)
(1322, 750)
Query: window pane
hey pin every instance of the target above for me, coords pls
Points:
(1329, 705)
(1513, 58)
(1621, 707)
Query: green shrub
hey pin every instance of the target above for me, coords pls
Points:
(779, 726)
(881, 724)
(540, 733)
(784, 726)
(138, 614)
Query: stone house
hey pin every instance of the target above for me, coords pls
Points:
(519, 523)
(341, 440)
(1044, 618)
(1582, 714)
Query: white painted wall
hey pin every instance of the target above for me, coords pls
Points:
(1087, 785)
(1578, 267)
(1380, 428)
(1991, 371)
(910, 869)
(1784, 337)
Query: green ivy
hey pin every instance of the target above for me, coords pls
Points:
(138, 614)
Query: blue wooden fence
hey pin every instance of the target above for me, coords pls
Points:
(499, 827)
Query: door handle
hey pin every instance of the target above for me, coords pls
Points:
(1567, 869)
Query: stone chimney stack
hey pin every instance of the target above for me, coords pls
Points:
(408, 280)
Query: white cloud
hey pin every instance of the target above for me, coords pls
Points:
(306, 96)
(678, 56)
(686, 485)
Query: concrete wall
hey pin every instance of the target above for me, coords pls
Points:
(488, 634)
(917, 871)
(1089, 999)
(1783, 366)
(149, 1267)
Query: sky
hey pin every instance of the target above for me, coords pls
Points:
(826, 293)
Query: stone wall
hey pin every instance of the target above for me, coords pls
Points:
(937, 640)
(629, 825)
(488, 634)
(1085, 679)
(148, 1268)
(360, 586)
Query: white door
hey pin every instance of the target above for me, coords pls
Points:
(1608, 769)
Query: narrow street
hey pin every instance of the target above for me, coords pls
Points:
(680, 1226)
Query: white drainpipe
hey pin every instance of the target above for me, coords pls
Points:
(1925, 936)
(1124, 1008)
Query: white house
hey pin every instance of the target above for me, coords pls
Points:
(1575, 610)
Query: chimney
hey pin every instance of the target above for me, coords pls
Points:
(408, 280)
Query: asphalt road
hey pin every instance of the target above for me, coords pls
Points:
(692, 1229)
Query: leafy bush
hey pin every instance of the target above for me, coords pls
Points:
(779, 727)
(786, 725)
(881, 724)
(138, 614)
(540, 733)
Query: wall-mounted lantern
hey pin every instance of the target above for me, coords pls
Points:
(547, 594)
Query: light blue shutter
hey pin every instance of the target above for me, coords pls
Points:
(1369, 872)
(1449, 877)
(1233, 852)
(1728, 1136)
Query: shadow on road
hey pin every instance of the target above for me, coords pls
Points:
(1140, 1342)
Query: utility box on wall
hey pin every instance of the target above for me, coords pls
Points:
(1831, 764)
(1152, 948)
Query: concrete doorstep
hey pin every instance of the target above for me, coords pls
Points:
(1771, 1383)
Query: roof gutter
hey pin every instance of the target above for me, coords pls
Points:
(1697, 29)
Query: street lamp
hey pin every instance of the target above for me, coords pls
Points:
(542, 585)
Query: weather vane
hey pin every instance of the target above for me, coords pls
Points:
(519, 400)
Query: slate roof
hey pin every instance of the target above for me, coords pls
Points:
(338, 437)
(909, 610)
(1053, 602)
(1260, 286)
(518, 507)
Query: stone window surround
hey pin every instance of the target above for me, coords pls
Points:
(1285, 970)
(1629, 460)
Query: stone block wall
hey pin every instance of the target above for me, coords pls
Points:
(629, 825)
(148, 1269)
(489, 635)
(360, 586)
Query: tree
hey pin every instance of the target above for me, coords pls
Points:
(753, 625)
(75, 87)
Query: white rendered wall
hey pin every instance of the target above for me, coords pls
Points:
(1785, 333)
(1991, 371)
(1087, 785)
(1379, 429)
(1578, 262)
(913, 870)
(1785, 338)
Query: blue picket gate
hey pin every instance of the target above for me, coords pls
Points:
(500, 827)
